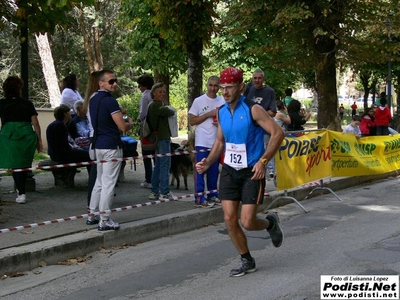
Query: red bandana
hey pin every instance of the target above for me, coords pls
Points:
(231, 75)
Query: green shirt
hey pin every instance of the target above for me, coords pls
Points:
(158, 113)
(287, 100)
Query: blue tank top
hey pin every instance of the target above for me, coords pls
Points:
(240, 128)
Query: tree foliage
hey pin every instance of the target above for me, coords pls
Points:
(185, 21)
(150, 50)
(292, 41)
(69, 52)
(41, 15)
(309, 36)
(174, 32)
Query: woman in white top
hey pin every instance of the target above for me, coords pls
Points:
(70, 93)
(282, 118)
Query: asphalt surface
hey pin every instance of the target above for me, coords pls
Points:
(358, 235)
(56, 217)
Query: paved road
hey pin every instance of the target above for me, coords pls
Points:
(359, 235)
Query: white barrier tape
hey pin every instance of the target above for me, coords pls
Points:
(316, 183)
(119, 209)
(86, 163)
(83, 216)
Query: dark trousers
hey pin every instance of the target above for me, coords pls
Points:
(212, 176)
(20, 181)
(78, 155)
(148, 165)
(382, 130)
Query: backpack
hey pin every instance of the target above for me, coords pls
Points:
(148, 136)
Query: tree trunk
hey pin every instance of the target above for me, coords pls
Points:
(195, 79)
(326, 89)
(195, 71)
(86, 40)
(365, 78)
(98, 62)
(48, 69)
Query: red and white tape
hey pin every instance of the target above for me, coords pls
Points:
(84, 216)
(86, 163)
(316, 183)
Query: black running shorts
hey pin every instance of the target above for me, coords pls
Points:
(238, 186)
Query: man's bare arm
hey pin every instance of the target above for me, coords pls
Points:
(195, 120)
(277, 135)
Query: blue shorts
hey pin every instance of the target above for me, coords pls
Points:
(238, 186)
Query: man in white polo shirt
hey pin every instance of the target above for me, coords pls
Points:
(203, 114)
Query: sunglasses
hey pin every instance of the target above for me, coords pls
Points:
(228, 87)
(112, 81)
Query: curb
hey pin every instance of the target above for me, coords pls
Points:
(31, 256)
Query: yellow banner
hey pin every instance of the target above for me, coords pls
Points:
(303, 159)
(322, 154)
(353, 156)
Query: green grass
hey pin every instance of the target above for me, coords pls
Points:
(40, 156)
(182, 132)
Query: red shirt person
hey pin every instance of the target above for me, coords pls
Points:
(353, 109)
(382, 118)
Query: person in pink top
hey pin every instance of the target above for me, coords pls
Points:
(382, 118)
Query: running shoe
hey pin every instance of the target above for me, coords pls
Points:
(275, 232)
(204, 204)
(154, 196)
(214, 200)
(145, 184)
(21, 199)
(248, 266)
(107, 225)
(167, 196)
(92, 220)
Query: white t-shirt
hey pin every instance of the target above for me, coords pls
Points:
(352, 129)
(206, 132)
(69, 97)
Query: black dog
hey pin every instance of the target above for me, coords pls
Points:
(180, 165)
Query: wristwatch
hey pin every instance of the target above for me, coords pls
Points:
(264, 161)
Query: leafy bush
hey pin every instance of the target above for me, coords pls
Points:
(40, 156)
(132, 106)
(307, 103)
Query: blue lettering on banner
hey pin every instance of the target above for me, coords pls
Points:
(299, 147)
